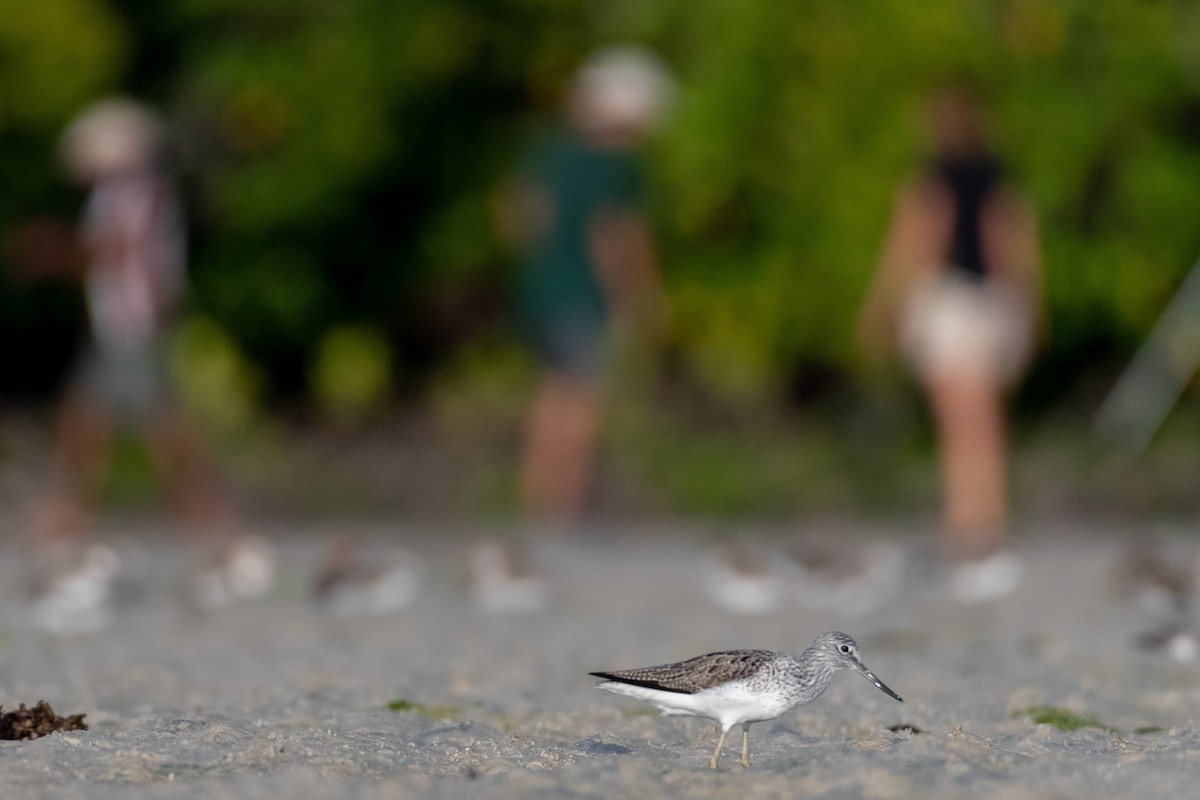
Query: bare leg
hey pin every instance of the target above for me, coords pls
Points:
(180, 460)
(745, 744)
(558, 451)
(712, 762)
(968, 411)
(82, 439)
(232, 567)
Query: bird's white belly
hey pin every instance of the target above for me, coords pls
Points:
(729, 704)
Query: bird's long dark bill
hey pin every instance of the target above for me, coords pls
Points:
(883, 687)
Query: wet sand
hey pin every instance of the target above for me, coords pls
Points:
(279, 699)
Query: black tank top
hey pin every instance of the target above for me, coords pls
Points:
(971, 181)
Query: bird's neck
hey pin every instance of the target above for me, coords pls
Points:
(811, 675)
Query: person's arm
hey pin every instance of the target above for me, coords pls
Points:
(1012, 245)
(45, 249)
(913, 249)
(626, 263)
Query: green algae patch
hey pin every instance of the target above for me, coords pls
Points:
(1062, 719)
(432, 712)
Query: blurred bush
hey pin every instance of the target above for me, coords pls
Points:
(218, 383)
(351, 373)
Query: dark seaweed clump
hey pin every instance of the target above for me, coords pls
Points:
(30, 723)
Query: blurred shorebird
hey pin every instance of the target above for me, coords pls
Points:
(738, 687)
(351, 582)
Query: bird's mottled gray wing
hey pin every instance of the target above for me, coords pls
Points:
(694, 674)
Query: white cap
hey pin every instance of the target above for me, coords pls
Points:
(624, 86)
(111, 135)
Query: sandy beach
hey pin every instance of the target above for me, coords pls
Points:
(280, 698)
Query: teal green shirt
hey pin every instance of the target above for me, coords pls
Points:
(559, 289)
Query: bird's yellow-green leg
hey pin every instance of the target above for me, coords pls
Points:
(712, 762)
(745, 745)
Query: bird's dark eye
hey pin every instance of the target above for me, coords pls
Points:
(845, 648)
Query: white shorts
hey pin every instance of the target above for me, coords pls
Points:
(956, 326)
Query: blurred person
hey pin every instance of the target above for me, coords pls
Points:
(958, 286)
(133, 239)
(575, 215)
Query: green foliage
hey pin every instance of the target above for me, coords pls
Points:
(217, 381)
(798, 121)
(351, 373)
(56, 55)
(343, 155)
